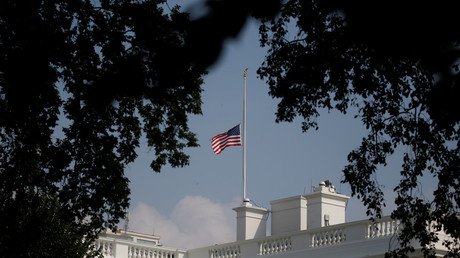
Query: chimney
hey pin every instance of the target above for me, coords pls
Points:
(250, 222)
(325, 206)
(289, 214)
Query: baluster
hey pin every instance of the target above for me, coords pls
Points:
(373, 230)
(386, 233)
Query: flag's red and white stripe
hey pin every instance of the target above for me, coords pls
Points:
(223, 140)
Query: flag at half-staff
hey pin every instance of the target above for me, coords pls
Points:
(226, 139)
(235, 137)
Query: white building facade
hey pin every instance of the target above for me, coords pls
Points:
(311, 225)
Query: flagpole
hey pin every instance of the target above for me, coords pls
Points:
(245, 199)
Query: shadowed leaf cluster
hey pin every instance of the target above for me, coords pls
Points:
(396, 65)
(80, 83)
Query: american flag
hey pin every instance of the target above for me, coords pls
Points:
(231, 137)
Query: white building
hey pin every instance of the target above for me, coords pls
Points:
(311, 225)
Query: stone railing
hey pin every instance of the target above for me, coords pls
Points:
(307, 242)
(229, 251)
(275, 245)
(124, 248)
(149, 252)
(383, 228)
(328, 237)
(106, 247)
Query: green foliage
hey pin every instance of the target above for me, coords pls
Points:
(80, 82)
(40, 228)
(397, 65)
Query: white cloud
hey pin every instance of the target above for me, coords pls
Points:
(194, 222)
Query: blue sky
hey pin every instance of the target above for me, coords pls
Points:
(186, 206)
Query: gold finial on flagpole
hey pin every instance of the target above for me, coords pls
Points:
(245, 73)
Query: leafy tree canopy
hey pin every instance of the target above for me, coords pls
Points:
(80, 82)
(396, 63)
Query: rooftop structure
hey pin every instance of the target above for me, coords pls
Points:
(309, 225)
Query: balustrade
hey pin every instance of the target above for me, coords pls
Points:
(105, 247)
(276, 245)
(382, 228)
(232, 251)
(148, 252)
(328, 237)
